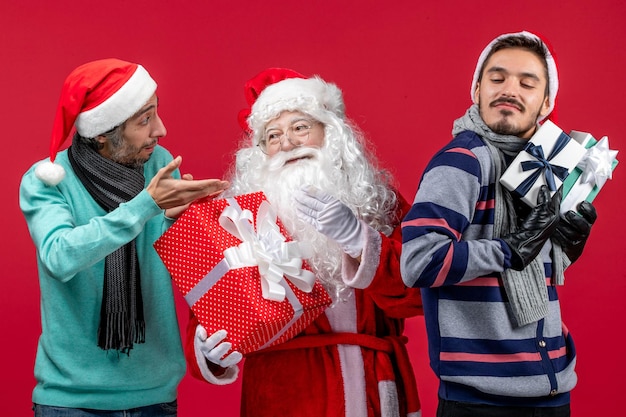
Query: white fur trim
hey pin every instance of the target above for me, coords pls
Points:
(122, 104)
(49, 173)
(553, 75)
(389, 402)
(360, 275)
(312, 96)
(343, 318)
(353, 376)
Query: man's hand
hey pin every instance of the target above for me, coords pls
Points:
(539, 225)
(330, 217)
(170, 193)
(573, 230)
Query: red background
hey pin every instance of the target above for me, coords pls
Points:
(405, 68)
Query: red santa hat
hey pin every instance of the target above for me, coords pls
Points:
(95, 98)
(275, 90)
(553, 76)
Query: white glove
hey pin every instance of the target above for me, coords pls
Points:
(330, 217)
(213, 347)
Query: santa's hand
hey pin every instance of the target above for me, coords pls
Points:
(213, 347)
(330, 217)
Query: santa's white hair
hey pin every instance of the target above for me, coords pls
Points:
(341, 167)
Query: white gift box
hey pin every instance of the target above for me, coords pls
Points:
(547, 159)
(591, 173)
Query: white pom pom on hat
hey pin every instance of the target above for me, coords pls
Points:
(49, 172)
(95, 98)
(275, 90)
(553, 76)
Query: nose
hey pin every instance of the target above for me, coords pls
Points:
(510, 87)
(284, 138)
(159, 129)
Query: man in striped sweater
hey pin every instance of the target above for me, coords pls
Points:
(487, 264)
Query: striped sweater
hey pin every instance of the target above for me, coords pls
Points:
(450, 253)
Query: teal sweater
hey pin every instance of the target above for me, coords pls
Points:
(73, 235)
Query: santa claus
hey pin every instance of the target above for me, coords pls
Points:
(312, 164)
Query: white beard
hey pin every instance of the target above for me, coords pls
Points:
(279, 181)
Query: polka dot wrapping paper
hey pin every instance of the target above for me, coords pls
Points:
(221, 297)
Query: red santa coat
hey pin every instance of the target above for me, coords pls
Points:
(351, 361)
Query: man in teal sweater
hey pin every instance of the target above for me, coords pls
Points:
(110, 340)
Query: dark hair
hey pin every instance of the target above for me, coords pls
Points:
(531, 44)
(115, 136)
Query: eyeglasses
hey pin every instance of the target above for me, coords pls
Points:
(297, 135)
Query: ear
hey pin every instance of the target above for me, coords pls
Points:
(545, 106)
(103, 145)
(477, 93)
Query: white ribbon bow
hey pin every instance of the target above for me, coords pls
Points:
(267, 249)
(597, 164)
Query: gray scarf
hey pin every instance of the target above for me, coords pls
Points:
(526, 289)
(109, 183)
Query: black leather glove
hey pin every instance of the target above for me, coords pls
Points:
(539, 225)
(573, 230)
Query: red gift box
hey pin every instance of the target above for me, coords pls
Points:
(239, 270)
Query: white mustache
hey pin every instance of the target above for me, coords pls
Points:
(280, 159)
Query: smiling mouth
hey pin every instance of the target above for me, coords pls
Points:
(507, 107)
(293, 160)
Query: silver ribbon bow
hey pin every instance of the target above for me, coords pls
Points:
(597, 164)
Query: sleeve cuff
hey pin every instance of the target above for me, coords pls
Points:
(507, 254)
(360, 274)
